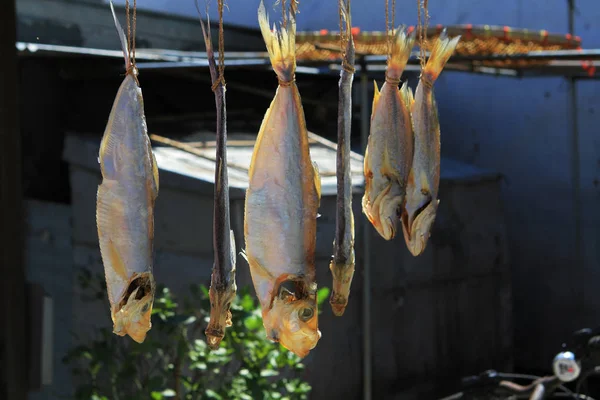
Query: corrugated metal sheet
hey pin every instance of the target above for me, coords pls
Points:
(84, 152)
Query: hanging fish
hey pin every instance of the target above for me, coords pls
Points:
(125, 207)
(389, 152)
(424, 180)
(222, 287)
(342, 264)
(280, 222)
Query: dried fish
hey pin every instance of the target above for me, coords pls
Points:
(424, 180)
(281, 206)
(389, 152)
(342, 263)
(125, 207)
(223, 287)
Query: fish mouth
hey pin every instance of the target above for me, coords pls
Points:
(132, 315)
(417, 228)
(292, 318)
(220, 314)
(140, 286)
(290, 290)
(408, 220)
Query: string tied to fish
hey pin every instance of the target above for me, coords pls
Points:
(392, 81)
(345, 34)
(422, 24)
(285, 83)
(389, 25)
(131, 28)
(221, 78)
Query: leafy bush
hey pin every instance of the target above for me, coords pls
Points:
(174, 360)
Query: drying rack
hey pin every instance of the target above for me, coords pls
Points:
(487, 50)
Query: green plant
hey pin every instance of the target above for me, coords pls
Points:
(174, 360)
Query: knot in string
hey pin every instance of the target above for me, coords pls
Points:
(286, 83)
(346, 66)
(392, 81)
(427, 81)
(220, 81)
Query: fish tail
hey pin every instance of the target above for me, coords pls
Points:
(407, 94)
(122, 38)
(210, 54)
(400, 53)
(441, 52)
(281, 44)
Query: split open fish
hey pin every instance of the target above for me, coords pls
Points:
(125, 207)
(424, 180)
(280, 221)
(389, 152)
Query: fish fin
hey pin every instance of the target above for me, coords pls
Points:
(232, 243)
(376, 95)
(400, 53)
(109, 214)
(110, 155)
(122, 37)
(154, 174)
(317, 180)
(244, 255)
(281, 44)
(407, 94)
(441, 52)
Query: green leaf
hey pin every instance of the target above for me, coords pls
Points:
(253, 323)
(156, 395)
(322, 295)
(268, 372)
(212, 394)
(247, 303)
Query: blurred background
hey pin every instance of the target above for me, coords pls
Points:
(513, 265)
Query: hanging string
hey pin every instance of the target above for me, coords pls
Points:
(387, 27)
(284, 14)
(128, 20)
(422, 28)
(342, 35)
(221, 45)
(393, 17)
(345, 33)
(131, 32)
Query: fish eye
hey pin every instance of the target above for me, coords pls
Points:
(145, 308)
(306, 313)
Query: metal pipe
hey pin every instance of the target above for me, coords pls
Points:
(576, 170)
(364, 135)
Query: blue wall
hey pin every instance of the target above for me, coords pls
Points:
(523, 129)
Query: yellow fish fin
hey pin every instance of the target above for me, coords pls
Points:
(375, 96)
(317, 180)
(442, 50)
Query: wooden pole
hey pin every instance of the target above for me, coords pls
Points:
(13, 334)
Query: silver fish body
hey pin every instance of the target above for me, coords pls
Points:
(282, 200)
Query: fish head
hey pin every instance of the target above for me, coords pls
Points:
(342, 274)
(417, 227)
(384, 212)
(293, 322)
(132, 315)
(220, 314)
